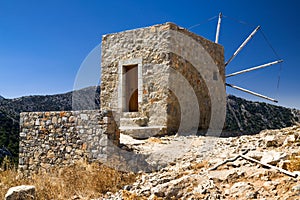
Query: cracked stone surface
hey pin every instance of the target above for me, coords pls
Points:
(185, 163)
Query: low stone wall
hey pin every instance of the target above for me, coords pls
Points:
(49, 139)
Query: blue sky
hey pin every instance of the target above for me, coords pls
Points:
(43, 43)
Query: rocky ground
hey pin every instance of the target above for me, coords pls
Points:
(188, 167)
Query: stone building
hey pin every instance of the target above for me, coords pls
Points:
(153, 80)
(139, 69)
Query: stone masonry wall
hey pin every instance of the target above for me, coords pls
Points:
(199, 86)
(194, 78)
(49, 139)
(148, 44)
(151, 46)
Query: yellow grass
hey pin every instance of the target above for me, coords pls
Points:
(294, 164)
(155, 140)
(81, 181)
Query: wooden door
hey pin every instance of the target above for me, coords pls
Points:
(131, 88)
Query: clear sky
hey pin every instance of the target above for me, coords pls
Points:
(43, 43)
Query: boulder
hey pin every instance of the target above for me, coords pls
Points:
(271, 141)
(273, 157)
(22, 192)
(239, 188)
(226, 175)
(296, 188)
(289, 139)
(257, 155)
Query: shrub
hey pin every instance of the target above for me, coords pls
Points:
(81, 180)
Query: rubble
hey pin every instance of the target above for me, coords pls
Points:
(193, 173)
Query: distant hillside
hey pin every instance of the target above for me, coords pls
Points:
(243, 117)
(57, 102)
(251, 117)
(9, 136)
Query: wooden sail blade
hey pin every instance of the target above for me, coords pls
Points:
(218, 28)
(250, 92)
(242, 45)
(254, 68)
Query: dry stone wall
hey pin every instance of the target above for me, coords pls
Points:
(49, 139)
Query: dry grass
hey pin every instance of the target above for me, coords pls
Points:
(294, 164)
(81, 181)
(131, 196)
(198, 166)
(154, 140)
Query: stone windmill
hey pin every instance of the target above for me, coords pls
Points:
(137, 80)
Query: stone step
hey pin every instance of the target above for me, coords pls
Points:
(135, 121)
(143, 132)
(130, 114)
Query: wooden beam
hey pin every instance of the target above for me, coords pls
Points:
(250, 92)
(242, 45)
(242, 155)
(218, 28)
(270, 166)
(228, 160)
(255, 68)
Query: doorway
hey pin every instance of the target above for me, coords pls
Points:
(131, 88)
